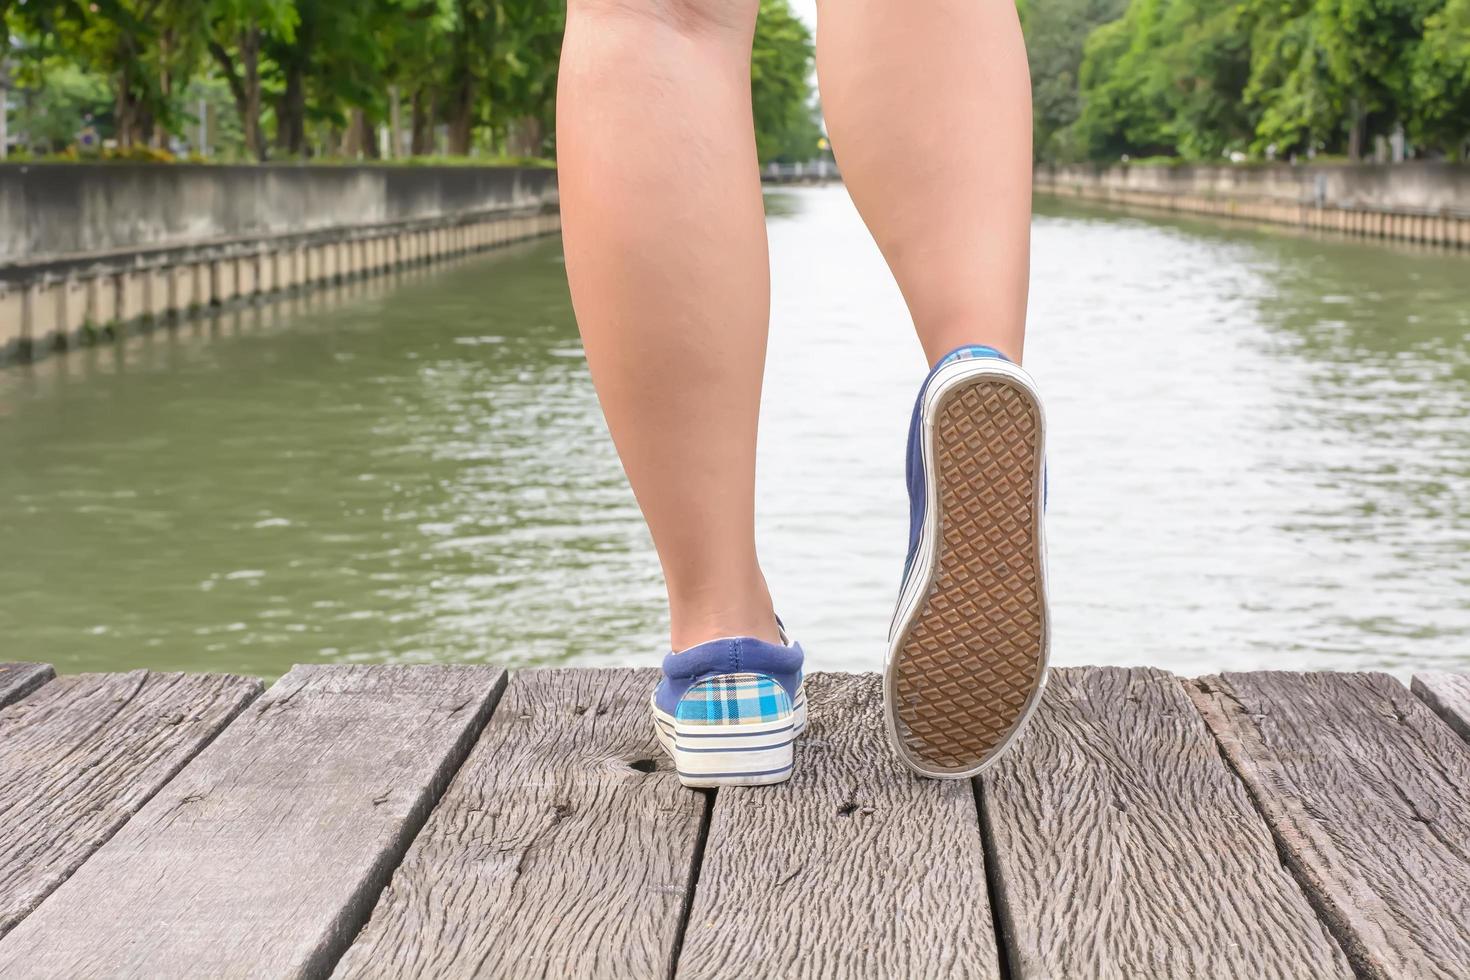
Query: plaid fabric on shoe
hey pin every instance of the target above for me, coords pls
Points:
(969, 352)
(734, 699)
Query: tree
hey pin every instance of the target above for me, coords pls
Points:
(1441, 79)
(116, 39)
(1198, 79)
(1056, 32)
(1369, 47)
(1211, 66)
(1123, 110)
(1166, 79)
(523, 93)
(237, 29)
(335, 66)
(329, 73)
(781, 96)
(1300, 101)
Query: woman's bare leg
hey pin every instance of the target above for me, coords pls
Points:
(666, 255)
(928, 103)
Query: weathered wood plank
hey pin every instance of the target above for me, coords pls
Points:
(18, 680)
(1368, 795)
(264, 855)
(83, 754)
(564, 847)
(1123, 846)
(1448, 695)
(855, 868)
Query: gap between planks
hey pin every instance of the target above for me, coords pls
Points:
(710, 801)
(853, 868)
(81, 754)
(19, 679)
(518, 941)
(337, 765)
(1448, 695)
(1124, 845)
(1366, 793)
(564, 846)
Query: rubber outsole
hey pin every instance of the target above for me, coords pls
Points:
(967, 667)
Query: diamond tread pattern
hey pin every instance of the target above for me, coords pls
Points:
(971, 663)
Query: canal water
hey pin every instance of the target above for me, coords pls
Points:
(1260, 458)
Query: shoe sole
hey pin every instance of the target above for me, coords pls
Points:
(710, 756)
(967, 662)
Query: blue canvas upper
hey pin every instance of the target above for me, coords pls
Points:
(732, 655)
(915, 450)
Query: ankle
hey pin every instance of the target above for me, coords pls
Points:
(684, 636)
(939, 339)
(693, 624)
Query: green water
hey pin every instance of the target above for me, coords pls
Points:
(1260, 457)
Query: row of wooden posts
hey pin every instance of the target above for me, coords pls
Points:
(54, 310)
(1451, 230)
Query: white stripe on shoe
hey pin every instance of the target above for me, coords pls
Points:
(732, 755)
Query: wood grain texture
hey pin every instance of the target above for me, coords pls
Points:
(1448, 695)
(18, 680)
(82, 754)
(1368, 795)
(855, 868)
(554, 853)
(264, 855)
(1124, 847)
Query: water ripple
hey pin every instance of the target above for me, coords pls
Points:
(1259, 458)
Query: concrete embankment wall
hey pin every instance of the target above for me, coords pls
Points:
(87, 248)
(1420, 202)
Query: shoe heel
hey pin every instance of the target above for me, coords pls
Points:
(736, 755)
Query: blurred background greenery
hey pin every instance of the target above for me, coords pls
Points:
(1252, 79)
(324, 79)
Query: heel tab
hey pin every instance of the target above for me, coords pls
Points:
(735, 698)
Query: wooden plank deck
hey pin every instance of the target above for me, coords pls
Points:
(559, 850)
(438, 822)
(1120, 836)
(1448, 695)
(1368, 795)
(861, 869)
(18, 680)
(269, 848)
(83, 754)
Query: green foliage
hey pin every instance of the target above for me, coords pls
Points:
(780, 71)
(1300, 103)
(1370, 46)
(1200, 79)
(321, 78)
(1166, 78)
(66, 101)
(1440, 79)
(1056, 31)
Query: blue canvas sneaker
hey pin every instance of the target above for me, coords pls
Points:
(729, 711)
(967, 649)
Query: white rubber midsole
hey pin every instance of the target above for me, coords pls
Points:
(732, 755)
(921, 572)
